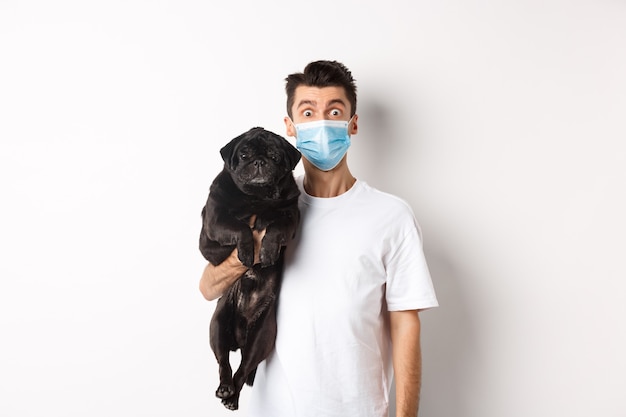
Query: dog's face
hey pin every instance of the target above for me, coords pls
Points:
(259, 159)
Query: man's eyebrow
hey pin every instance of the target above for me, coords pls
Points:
(337, 101)
(314, 103)
(305, 102)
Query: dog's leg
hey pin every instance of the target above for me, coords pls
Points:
(278, 233)
(213, 251)
(259, 344)
(225, 230)
(226, 387)
(222, 342)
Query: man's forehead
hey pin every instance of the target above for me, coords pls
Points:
(320, 96)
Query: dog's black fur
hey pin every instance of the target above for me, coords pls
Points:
(257, 179)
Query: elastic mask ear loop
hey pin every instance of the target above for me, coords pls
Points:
(350, 121)
(295, 131)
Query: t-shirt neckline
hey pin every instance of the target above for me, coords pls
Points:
(327, 201)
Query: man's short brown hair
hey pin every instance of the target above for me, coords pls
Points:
(322, 74)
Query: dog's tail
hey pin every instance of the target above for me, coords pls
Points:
(250, 379)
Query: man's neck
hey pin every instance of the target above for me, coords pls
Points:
(326, 184)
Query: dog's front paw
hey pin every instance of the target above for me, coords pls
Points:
(246, 259)
(245, 253)
(269, 253)
(224, 391)
(271, 246)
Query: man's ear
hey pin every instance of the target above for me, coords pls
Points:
(291, 130)
(354, 129)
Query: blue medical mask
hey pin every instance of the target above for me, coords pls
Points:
(323, 142)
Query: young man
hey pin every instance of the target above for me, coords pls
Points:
(355, 275)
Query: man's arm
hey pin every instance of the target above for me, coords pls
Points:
(407, 360)
(216, 279)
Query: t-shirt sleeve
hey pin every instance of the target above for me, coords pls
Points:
(409, 285)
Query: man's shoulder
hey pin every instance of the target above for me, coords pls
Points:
(383, 199)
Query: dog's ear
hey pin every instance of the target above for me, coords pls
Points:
(292, 154)
(229, 151)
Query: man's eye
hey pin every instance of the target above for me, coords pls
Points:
(307, 113)
(335, 113)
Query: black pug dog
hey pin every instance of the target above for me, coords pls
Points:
(257, 179)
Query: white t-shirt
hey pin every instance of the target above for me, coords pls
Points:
(355, 256)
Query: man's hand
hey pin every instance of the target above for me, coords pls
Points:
(258, 238)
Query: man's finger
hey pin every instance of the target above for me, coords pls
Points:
(252, 221)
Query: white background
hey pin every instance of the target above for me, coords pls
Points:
(501, 123)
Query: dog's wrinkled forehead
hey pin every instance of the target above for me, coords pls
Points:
(258, 144)
(254, 142)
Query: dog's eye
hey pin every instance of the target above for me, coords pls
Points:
(275, 157)
(243, 156)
